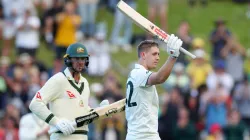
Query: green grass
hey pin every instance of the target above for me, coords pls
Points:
(201, 20)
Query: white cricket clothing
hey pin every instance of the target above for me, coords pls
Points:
(27, 38)
(30, 126)
(66, 99)
(142, 106)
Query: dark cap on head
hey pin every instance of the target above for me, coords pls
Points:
(219, 21)
(219, 64)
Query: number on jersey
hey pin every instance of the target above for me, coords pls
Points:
(131, 91)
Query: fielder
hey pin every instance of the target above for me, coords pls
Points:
(33, 128)
(142, 103)
(67, 93)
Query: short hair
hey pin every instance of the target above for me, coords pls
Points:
(145, 46)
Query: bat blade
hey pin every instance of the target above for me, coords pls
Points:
(101, 112)
(96, 114)
(146, 24)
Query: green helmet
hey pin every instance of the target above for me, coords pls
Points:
(75, 50)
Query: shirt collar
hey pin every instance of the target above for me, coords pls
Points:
(139, 66)
(69, 76)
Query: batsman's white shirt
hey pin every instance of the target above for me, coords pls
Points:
(142, 106)
(66, 98)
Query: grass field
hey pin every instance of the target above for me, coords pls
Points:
(200, 18)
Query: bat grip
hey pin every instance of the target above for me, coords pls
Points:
(187, 53)
(53, 129)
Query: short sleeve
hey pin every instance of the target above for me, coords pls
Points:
(141, 77)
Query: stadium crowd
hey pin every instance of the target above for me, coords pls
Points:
(207, 98)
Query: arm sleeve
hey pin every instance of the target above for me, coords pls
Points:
(49, 92)
(141, 77)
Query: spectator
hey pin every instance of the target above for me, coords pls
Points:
(111, 5)
(122, 22)
(216, 110)
(248, 10)
(178, 78)
(198, 43)
(184, 34)
(235, 129)
(192, 104)
(219, 37)
(99, 51)
(112, 88)
(11, 10)
(215, 133)
(87, 10)
(234, 54)
(43, 4)
(198, 69)
(1, 21)
(219, 76)
(4, 81)
(33, 128)
(49, 25)
(68, 22)
(170, 115)
(158, 8)
(242, 100)
(185, 129)
(111, 129)
(11, 128)
(27, 35)
(247, 64)
(2, 131)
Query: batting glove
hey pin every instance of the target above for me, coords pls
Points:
(173, 46)
(104, 103)
(65, 126)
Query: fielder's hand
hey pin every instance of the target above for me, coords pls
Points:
(173, 46)
(65, 126)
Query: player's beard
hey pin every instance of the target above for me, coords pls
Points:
(79, 68)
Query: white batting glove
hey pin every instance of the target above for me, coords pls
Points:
(173, 46)
(65, 127)
(104, 103)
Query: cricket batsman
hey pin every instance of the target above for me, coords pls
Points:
(142, 98)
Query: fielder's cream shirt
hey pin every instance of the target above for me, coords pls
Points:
(66, 99)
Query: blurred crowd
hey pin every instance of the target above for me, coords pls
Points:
(207, 98)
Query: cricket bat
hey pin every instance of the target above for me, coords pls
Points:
(96, 114)
(146, 24)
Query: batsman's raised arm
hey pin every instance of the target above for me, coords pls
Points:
(173, 48)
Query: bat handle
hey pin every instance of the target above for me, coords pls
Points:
(53, 129)
(187, 53)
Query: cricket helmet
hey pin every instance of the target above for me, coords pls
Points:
(76, 50)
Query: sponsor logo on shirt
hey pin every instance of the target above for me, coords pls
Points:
(81, 103)
(70, 94)
(38, 96)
